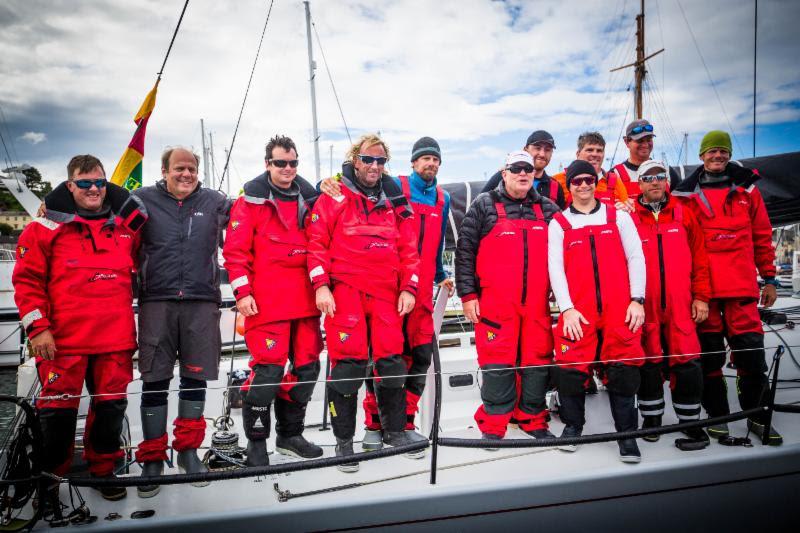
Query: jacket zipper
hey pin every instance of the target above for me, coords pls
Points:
(180, 270)
(661, 272)
(524, 265)
(596, 275)
(421, 234)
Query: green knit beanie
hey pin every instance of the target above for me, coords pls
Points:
(716, 139)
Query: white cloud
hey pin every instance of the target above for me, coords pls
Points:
(33, 137)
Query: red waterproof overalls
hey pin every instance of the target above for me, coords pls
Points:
(618, 172)
(515, 328)
(597, 275)
(418, 330)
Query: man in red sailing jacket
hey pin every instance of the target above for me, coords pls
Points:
(363, 263)
(501, 276)
(738, 238)
(265, 255)
(677, 294)
(72, 283)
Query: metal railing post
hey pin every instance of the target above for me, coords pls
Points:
(437, 377)
(773, 389)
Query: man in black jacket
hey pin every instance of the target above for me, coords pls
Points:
(502, 279)
(179, 314)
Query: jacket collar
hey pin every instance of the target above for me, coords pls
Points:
(60, 205)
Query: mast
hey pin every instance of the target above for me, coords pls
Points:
(311, 75)
(206, 180)
(755, 71)
(213, 163)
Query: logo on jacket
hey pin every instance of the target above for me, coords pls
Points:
(343, 336)
(564, 348)
(376, 244)
(490, 336)
(297, 251)
(102, 276)
(125, 235)
(52, 376)
(234, 224)
(193, 368)
(314, 217)
(506, 233)
(673, 230)
(574, 243)
(270, 343)
(198, 213)
(606, 232)
(724, 237)
(743, 202)
(21, 251)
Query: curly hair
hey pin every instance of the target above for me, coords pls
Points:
(365, 141)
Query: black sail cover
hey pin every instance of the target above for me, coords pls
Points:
(779, 185)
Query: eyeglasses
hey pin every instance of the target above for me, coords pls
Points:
(639, 129)
(369, 159)
(586, 180)
(281, 163)
(100, 183)
(518, 169)
(653, 177)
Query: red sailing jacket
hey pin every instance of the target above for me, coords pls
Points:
(610, 194)
(73, 275)
(265, 254)
(427, 223)
(674, 252)
(369, 246)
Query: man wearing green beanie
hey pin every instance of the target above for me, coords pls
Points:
(738, 238)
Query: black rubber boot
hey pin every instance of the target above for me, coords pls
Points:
(289, 425)
(256, 422)
(572, 413)
(392, 410)
(625, 417)
(649, 422)
(257, 453)
(344, 448)
(154, 425)
(188, 462)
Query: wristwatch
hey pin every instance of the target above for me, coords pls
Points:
(771, 281)
(638, 299)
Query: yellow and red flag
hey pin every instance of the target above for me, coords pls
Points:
(129, 169)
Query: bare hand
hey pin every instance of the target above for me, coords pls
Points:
(44, 345)
(331, 187)
(572, 324)
(325, 302)
(405, 302)
(699, 311)
(247, 306)
(449, 285)
(769, 295)
(630, 206)
(42, 210)
(635, 316)
(472, 310)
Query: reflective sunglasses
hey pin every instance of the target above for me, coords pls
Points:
(87, 184)
(588, 180)
(369, 159)
(639, 129)
(517, 169)
(653, 177)
(281, 163)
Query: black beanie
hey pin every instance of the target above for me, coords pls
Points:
(578, 167)
(425, 146)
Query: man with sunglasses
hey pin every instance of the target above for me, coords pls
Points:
(540, 146)
(364, 266)
(621, 184)
(72, 282)
(502, 279)
(179, 299)
(431, 206)
(597, 271)
(265, 256)
(678, 290)
(738, 237)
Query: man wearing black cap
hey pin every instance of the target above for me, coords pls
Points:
(639, 141)
(590, 245)
(540, 146)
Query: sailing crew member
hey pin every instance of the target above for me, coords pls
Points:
(622, 184)
(265, 256)
(501, 277)
(738, 238)
(431, 205)
(81, 257)
(364, 266)
(540, 146)
(179, 313)
(677, 295)
(591, 148)
(597, 272)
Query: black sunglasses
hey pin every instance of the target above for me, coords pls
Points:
(281, 163)
(368, 159)
(588, 180)
(639, 129)
(517, 169)
(100, 183)
(653, 177)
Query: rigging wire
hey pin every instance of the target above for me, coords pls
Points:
(614, 47)
(172, 41)
(619, 137)
(12, 153)
(244, 100)
(708, 73)
(330, 78)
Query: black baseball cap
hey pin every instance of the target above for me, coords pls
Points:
(541, 136)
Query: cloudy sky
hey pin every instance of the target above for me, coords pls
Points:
(477, 75)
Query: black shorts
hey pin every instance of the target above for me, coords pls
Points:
(187, 331)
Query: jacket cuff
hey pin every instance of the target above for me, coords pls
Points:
(469, 297)
(319, 277)
(241, 287)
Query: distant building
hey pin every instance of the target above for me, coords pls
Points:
(15, 219)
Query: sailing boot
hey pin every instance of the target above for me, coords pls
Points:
(256, 422)
(289, 424)
(715, 390)
(188, 462)
(697, 439)
(344, 448)
(154, 425)
(623, 411)
(343, 409)
(392, 411)
(649, 422)
(572, 413)
(775, 438)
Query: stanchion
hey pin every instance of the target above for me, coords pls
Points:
(325, 397)
(773, 389)
(437, 377)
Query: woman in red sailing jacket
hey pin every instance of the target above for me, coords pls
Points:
(265, 255)
(72, 283)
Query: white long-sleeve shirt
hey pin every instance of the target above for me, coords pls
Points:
(637, 275)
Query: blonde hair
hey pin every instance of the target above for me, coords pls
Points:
(366, 140)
